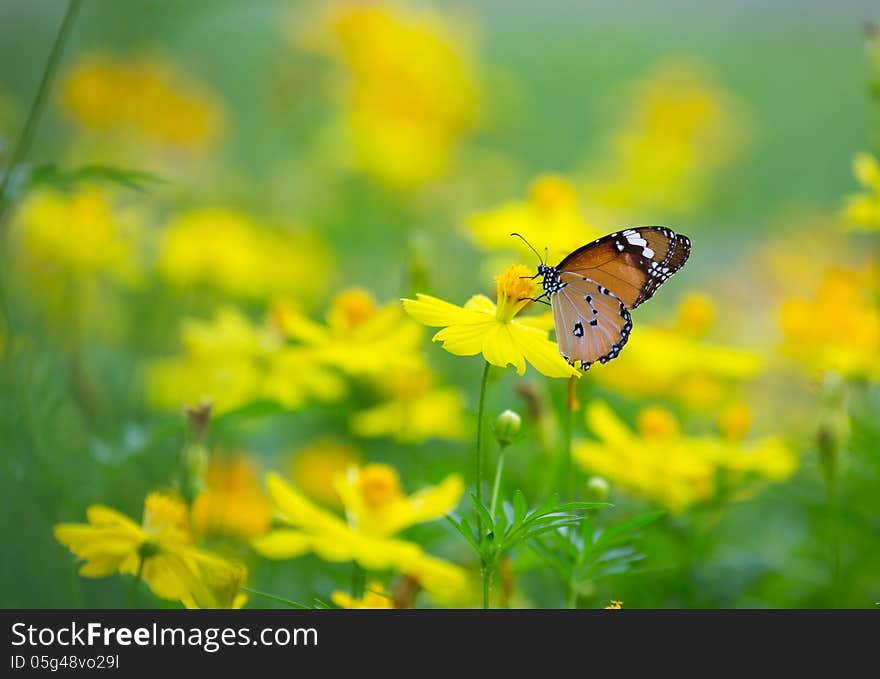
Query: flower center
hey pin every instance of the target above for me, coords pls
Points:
(515, 287)
(351, 309)
(378, 485)
(657, 423)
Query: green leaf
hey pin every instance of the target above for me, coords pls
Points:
(51, 175)
(465, 530)
(622, 530)
(520, 508)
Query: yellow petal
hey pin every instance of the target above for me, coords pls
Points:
(427, 504)
(866, 170)
(481, 303)
(282, 544)
(430, 310)
(606, 425)
(500, 349)
(299, 511)
(540, 352)
(465, 340)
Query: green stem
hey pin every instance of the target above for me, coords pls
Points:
(358, 580)
(486, 573)
(39, 103)
(499, 468)
(479, 456)
(272, 597)
(137, 581)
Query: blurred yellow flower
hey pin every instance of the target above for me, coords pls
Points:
(416, 410)
(227, 251)
(409, 91)
(144, 96)
(360, 338)
(493, 329)
(374, 598)
(230, 361)
(839, 328)
(233, 501)
(550, 217)
(314, 469)
(680, 127)
(674, 361)
(862, 210)
(375, 509)
(76, 234)
(160, 551)
(671, 468)
(614, 605)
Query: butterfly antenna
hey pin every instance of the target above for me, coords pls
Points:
(537, 254)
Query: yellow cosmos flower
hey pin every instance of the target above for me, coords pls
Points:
(550, 217)
(161, 550)
(839, 329)
(862, 210)
(314, 469)
(78, 234)
(360, 338)
(409, 92)
(231, 361)
(676, 361)
(375, 509)
(415, 410)
(374, 598)
(148, 97)
(671, 468)
(679, 129)
(493, 330)
(233, 501)
(226, 250)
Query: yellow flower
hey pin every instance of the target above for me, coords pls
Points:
(409, 91)
(679, 128)
(671, 468)
(231, 362)
(227, 251)
(614, 605)
(416, 410)
(675, 361)
(146, 97)
(375, 598)
(862, 210)
(232, 502)
(360, 338)
(839, 329)
(493, 329)
(160, 549)
(551, 217)
(77, 234)
(376, 509)
(314, 469)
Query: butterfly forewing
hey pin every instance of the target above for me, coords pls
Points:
(632, 263)
(592, 323)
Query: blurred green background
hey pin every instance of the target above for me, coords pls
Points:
(759, 184)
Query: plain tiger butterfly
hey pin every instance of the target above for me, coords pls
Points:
(593, 289)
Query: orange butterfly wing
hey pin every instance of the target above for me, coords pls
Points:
(593, 289)
(632, 263)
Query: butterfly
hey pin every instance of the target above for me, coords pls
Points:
(593, 289)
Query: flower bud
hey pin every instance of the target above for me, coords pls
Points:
(507, 426)
(598, 489)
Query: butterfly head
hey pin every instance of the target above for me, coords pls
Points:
(550, 278)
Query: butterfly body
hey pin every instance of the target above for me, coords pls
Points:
(593, 289)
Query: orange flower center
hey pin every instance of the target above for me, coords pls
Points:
(515, 287)
(378, 485)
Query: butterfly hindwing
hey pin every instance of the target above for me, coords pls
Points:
(592, 323)
(632, 263)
